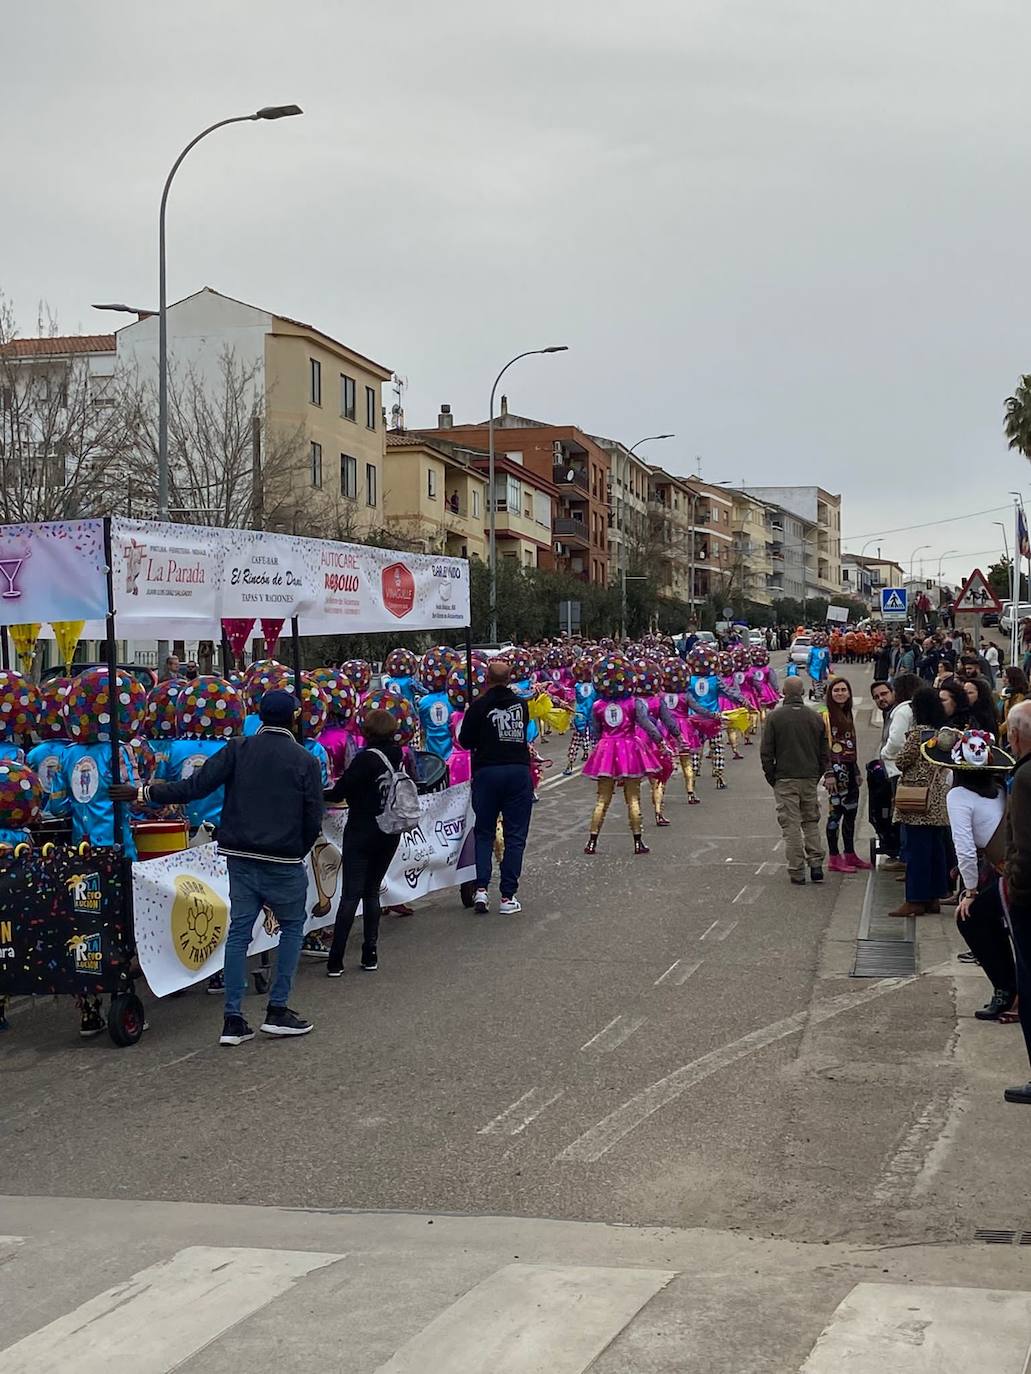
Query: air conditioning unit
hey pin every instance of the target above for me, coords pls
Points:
(556, 449)
(560, 549)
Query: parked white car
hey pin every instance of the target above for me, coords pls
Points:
(799, 651)
(1006, 619)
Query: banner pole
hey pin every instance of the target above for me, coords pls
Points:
(112, 675)
(295, 647)
(468, 666)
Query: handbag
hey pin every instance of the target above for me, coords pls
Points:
(912, 799)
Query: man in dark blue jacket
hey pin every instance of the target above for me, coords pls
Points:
(271, 817)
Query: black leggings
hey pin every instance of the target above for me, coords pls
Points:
(987, 937)
(364, 859)
(844, 803)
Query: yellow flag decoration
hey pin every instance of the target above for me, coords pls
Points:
(67, 633)
(24, 639)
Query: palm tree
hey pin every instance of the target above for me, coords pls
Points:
(1017, 423)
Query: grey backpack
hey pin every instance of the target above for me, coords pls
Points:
(401, 811)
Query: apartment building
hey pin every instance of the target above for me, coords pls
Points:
(811, 546)
(574, 470)
(691, 541)
(756, 575)
(856, 580)
(433, 496)
(319, 399)
(627, 492)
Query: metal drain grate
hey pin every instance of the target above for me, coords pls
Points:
(988, 1237)
(884, 959)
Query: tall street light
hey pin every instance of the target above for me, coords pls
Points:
(492, 553)
(912, 559)
(624, 577)
(942, 559)
(266, 112)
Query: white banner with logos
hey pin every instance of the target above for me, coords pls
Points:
(165, 576)
(181, 903)
(54, 571)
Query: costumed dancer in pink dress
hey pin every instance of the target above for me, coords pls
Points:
(729, 697)
(648, 687)
(339, 735)
(584, 696)
(674, 677)
(459, 764)
(626, 749)
(765, 680)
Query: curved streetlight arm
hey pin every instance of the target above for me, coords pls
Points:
(647, 440)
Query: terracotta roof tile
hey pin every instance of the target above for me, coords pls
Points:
(59, 344)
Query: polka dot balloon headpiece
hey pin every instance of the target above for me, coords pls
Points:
(435, 665)
(675, 675)
(614, 676)
(739, 657)
(401, 663)
(341, 697)
(647, 677)
(521, 663)
(209, 708)
(160, 721)
(19, 704)
(401, 709)
(21, 795)
(88, 707)
(583, 669)
(702, 660)
(314, 707)
(760, 656)
(456, 680)
(53, 693)
(725, 662)
(358, 674)
(265, 676)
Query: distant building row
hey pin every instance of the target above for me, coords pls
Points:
(564, 499)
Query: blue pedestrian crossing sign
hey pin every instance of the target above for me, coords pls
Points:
(894, 603)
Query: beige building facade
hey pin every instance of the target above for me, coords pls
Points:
(433, 497)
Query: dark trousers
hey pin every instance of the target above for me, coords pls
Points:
(986, 935)
(927, 867)
(1020, 927)
(364, 859)
(504, 790)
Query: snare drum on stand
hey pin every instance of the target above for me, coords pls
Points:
(158, 839)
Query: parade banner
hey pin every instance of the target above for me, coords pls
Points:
(164, 575)
(52, 572)
(266, 576)
(181, 902)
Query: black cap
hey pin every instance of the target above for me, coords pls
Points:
(278, 707)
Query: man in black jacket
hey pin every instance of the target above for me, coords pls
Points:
(271, 817)
(494, 731)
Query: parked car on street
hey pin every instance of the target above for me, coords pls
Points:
(799, 651)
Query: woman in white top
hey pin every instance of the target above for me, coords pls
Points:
(975, 803)
(900, 722)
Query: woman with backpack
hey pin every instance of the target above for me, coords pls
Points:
(368, 786)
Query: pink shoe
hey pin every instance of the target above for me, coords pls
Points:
(838, 864)
(856, 862)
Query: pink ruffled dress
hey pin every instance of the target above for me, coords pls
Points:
(341, 743)
(767, 693)
(460, 761)
(666, 753)
(623, 750)
(677, 703)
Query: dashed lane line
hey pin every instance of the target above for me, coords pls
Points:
(750, 893)
(610, 1037)
(516, 1117)
(611, 1129)
(678, 973)
(719, 930)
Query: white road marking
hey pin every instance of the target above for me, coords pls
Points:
(749, 893)
(908, 1328)
(720, 933)
(164, 1314)
(515, 1119)
(922, 1144)
(769, 869)
(778, 846)
(531, 1319)
(556, 782)
(610, 1037)
(181, 1060)
(597, 1141)
(679, 973)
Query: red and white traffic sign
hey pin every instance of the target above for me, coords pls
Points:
(976, 596)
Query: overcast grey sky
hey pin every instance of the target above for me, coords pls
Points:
(796, 232)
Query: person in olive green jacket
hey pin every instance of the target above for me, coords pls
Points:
(795, 756)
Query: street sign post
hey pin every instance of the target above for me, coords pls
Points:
(894, 603)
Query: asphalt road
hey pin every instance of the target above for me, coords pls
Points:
(665, 1041)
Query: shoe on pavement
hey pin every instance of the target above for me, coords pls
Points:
(314, 947)
(910, 909)
(334, 970)
(369, 961)
(798, 879)
(967, 956)
(93, 1022)
(893, 866)
(235, 1031)
(1021, 1094)
(216, 984)
(837, 864)
(282, 1021)
(854, 861)
(1001, 1002)
(567, 772)
(402, 909)
(816, 874)
(481, 903)
(510, 906)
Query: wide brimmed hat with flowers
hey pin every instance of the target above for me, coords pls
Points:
(970, 750)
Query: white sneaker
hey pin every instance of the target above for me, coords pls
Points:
(481, 902)
(509, 906)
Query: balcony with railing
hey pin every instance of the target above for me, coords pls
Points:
(570, 531)
(570, 475)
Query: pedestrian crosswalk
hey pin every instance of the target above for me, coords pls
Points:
(211, 1305)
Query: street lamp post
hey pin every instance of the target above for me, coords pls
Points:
(623, 575)
(266, 112)
(942, 559)
(492, 552)
(912, 559)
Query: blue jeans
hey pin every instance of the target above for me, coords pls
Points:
(283, 888)
(501, 789)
